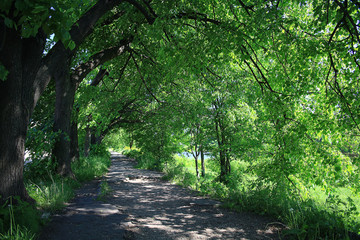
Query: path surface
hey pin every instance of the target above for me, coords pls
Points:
(142, 206)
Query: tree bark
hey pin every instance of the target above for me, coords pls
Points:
(87, 141)
(202, 161)
(74, 141)
(197, 166)
(28, 75)
(16, 99)
(66, 86)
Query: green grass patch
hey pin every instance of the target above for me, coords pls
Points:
(51, 195)
(51, 192)
(92, 167)
(105, 190)
(309, 213)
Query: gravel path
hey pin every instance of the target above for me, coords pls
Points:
(142, 206)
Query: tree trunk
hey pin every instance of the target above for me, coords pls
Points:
(219, 137)
(28, 75)
(16, 106)
(74, 141)
(202, 161)
(197, 166)
(65, 92)
(87, 141)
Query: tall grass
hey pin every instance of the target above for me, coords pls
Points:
(92, 167)
(16, 231)
(51, 195)
(51, 192)
(311, 213)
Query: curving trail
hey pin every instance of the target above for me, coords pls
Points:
(142, 206)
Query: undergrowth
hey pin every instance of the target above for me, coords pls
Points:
(311, 213)
(50, 191)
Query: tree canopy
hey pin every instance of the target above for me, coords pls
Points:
(272, 83)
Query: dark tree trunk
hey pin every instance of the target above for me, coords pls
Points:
(16, 106)
(74, 141)
(87, 141)
(66, 86)
(197, 167)
(28, 76)
(227, 163)
(222, 152)
(96, 138)
(202, 161)
(65, 92)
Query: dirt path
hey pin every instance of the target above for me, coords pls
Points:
(142, 206)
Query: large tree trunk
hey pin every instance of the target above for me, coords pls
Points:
(28, 77)
(16, 107)
(65, 92)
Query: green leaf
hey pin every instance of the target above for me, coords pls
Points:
(3, 73)
(71, 45)
(8, 22)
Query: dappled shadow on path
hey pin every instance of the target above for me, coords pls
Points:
(86, 218)
(142, 206)
(157, 209)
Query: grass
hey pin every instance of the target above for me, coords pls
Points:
(317, 214)
(92, 167)
(105, 190)
(17, 231)
(50, 196)
(51, 192)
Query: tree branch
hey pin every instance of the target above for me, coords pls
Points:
(97, 59)
(149, 18)
(142, 78)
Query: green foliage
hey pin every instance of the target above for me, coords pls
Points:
(99, 150)
(51, 192)
(270, 91)
(39, 169)
(131, 153)
(51, 195)
(18, 221)
(3, 73)
(313, 215)
(92, 167)
(105, 190)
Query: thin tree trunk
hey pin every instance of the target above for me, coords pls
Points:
(87, 141)
(74, 141)
(202, 161)
(221, 151)
(197, 166)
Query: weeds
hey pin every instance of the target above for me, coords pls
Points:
(92, 167)
(51, 195)
(15, 231)
(105, 190)
(315, 215)
(50, 192)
